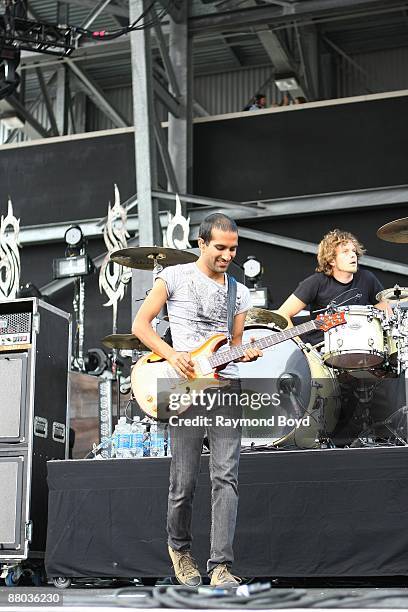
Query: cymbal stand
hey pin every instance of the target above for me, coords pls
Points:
(157, 268)
(402, 368)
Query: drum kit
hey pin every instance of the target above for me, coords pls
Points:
(352, 390)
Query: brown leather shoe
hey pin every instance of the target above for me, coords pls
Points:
(185, 568)
(221, 576)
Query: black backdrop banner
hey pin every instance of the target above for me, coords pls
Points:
(302, 151)
(324, 513)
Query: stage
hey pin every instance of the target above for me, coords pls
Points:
(338, 513)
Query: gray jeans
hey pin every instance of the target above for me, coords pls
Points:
(225, 446)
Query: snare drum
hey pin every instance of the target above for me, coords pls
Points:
(358, 345)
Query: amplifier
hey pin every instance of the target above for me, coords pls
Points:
(35, 351)
(15, 330)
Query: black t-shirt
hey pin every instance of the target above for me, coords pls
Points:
(318, 290)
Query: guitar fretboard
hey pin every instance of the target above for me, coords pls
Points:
(236, 352)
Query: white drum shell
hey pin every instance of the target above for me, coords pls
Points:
(359, 344)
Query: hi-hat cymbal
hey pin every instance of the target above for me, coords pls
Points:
(393, 295)
(394, 231)
(265, 317)
(124, 341)
(144, 258)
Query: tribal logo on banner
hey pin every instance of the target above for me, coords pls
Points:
(10, 267)
(178, 224)
(112, 277)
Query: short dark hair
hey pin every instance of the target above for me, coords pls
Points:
(216, 220)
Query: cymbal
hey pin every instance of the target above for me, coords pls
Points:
(393, 295)
(124, 341)
(394, 231)
(143, 258)
(265, 317)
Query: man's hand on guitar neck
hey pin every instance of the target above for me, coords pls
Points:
(182, 363)
(251, 354)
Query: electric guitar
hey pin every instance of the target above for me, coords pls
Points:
(154, 381)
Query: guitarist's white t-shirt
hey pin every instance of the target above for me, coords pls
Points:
(197, 308)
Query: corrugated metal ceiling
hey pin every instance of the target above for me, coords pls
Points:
(219, 51)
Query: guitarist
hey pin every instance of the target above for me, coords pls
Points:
(197, 303)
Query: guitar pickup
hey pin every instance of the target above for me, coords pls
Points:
(203, 366)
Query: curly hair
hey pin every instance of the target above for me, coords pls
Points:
(327, 249)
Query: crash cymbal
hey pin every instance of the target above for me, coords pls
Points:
(124, 341)
(394, 231)
(143, 258)
(393, 295)
(265, 317)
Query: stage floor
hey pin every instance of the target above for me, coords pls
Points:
(89, 597)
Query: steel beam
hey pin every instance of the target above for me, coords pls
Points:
(334, 202)
(296, 11)
(364, 74)
(146, 172)
(293, 244)
(95, 93)
(167, 63)
(169, 101)
(175, 8)
(49, 233)
(93, 228)
(32, 121)
(48, 102)
(180, 127)
(165, 155)
(61, 102)
(116, 7)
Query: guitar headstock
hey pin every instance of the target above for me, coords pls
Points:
(328, 321)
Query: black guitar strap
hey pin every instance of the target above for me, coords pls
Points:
(231, 299)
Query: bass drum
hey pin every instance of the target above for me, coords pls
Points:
(304, 397)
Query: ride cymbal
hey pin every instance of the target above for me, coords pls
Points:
(393, 295)
(125, 342)
(394, 231)
(265, 317)
(144, 258)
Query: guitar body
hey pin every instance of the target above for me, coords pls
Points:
(154, 381)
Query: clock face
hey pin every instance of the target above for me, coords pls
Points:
(252, 267)
(73, 235)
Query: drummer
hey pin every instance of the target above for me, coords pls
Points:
(338, 280)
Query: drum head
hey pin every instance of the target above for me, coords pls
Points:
(276, 390)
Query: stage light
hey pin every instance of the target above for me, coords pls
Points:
(79, 265)
(252, 268)
(287, 82)
(74, 236)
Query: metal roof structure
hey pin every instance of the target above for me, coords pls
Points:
(228, 34)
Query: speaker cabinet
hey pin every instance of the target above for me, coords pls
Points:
(35, 343)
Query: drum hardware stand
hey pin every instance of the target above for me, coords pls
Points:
(78, 304)
(157, 268)
(332, 306)
(403, 411)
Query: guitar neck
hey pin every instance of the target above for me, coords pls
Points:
(236, 352)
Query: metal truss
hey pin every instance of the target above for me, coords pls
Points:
(309, 247)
